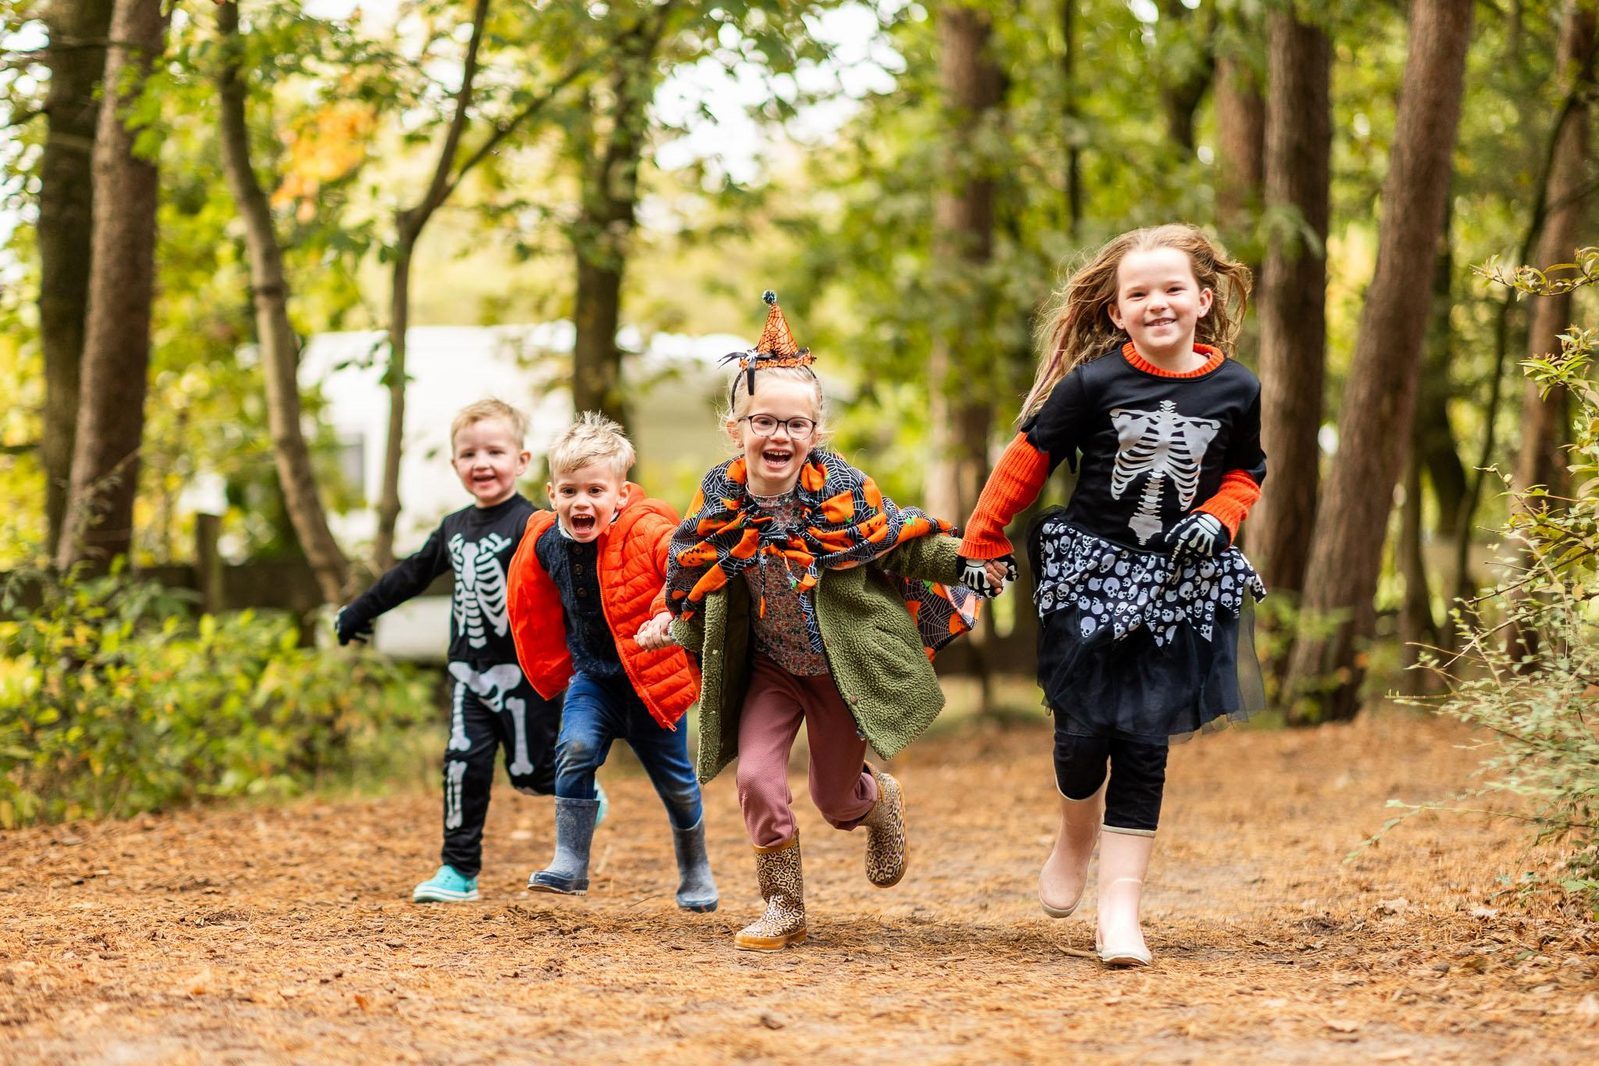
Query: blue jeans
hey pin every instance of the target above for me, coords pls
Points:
(600, 710)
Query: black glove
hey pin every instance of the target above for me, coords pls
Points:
(348, 629)
(973, 573)
(1198, 535)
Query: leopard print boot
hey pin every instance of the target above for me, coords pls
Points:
(777, 869)
(885, 833)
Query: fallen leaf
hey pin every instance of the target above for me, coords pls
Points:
(772, 1021)
(1342, 1025)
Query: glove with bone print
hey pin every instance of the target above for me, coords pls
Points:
(1198, 535)
(974, 574)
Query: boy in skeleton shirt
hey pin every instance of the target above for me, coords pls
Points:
(585, 579)
(491, 704)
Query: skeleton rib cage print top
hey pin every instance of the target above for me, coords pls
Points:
(1153, 446)
(475, 544)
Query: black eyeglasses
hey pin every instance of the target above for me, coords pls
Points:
(766, 425)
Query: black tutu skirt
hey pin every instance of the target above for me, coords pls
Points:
(1131, 645)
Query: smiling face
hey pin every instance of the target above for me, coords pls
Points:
(586, 499)
(774, 462)
(488, 458)
(1159, 303)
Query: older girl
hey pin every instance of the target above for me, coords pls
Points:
(1139, 588)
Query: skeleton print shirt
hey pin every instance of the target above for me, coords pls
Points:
(475, 544)
(1152, 447)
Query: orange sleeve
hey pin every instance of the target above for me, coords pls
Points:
(1233, 500)
(1016, 481)
(663, 555)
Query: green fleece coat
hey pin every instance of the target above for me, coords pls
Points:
(871, 643)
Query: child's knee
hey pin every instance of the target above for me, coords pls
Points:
(1079, 764)
(760, 790)
(577, 753)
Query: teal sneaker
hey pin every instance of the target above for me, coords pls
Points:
(605, 804)
(446, 886)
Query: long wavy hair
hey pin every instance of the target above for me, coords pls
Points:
(1076, 325)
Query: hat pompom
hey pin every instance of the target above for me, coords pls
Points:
(769, 296)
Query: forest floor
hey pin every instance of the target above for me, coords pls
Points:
(285, 934)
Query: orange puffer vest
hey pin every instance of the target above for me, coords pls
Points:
(632, 574)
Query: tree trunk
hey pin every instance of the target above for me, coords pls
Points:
(1240, 146)
(1430, 436)
(1434, 437)
(1293, 304)
(1327, 668)
(606, 222)
(1072, 118)
(409, 223)
(65, 230)
(280, 348)
(964, 217)
(1541, 459)
(98, 523)
(1417, 626)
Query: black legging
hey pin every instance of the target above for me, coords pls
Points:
(1137, 776)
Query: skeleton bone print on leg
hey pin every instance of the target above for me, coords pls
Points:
(454, 774)
(490, 685)
(1163, 445)
(521, 764)
(479, 599)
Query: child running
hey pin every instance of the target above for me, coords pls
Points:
(585, 579)
(1139, 588)
(807, 597)
(491, 704)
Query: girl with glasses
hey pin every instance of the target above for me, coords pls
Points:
(808, 598)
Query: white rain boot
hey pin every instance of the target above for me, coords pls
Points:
(1123, 861)
(1065, 872)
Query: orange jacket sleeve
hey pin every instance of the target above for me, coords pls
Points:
(1233, 500)
(1016, 481)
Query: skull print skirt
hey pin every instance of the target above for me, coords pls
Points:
(1131, 644)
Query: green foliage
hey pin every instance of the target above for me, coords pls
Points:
(1543, 705)
(113, 700)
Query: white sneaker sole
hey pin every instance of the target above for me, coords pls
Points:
(442, 895)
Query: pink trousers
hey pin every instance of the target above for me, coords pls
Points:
(775, 705)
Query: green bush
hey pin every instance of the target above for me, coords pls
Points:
(115, 699)
(1543, 706)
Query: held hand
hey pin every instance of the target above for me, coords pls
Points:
(1199, 535)
(985, 577)
(656, 633)
(345, 627)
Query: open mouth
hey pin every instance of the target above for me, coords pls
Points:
(777, 456)
(583, 523)
(1157, 323)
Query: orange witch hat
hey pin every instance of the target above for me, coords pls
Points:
(775, 348)
(776, 339)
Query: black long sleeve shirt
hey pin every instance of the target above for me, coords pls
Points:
(475, 544)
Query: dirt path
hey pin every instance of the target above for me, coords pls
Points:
(284, 934)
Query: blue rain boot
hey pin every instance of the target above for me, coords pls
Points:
(568, 872)
(696, 888)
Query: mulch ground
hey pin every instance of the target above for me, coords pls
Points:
(285, 934)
